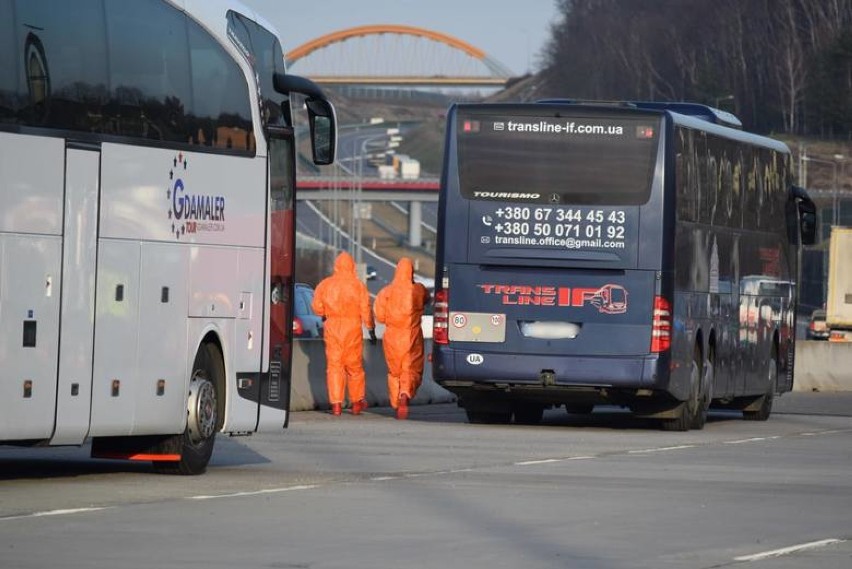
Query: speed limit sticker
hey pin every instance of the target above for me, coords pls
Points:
(459, 320)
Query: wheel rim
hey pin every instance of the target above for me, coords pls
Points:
(201, 420)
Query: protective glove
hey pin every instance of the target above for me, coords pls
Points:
(373, 338)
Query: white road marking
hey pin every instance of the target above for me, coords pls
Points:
(659, 449)
(256, 492)
(531, 462)
(831, 432)
(383, 478)
(741, 441)
(52, 513)
(788, 550)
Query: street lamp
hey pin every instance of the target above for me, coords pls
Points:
(357, 206)
(839, 159)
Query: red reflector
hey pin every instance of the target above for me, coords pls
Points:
(661, 326)
(116, 455)
(441, 317)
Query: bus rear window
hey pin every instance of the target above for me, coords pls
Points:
(588, 160)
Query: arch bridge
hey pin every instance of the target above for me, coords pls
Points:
(396, 55)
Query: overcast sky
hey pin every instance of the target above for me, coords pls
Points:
(511, 31)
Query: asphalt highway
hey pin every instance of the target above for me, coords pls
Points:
(599, 491)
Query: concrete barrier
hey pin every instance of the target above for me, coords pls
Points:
(823, 366)
(309, 392)
(820, 366)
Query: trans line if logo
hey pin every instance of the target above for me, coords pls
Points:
(191, 213)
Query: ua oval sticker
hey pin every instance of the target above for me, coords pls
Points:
(475, 359)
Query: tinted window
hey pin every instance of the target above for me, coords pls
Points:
(263, 51)
(686, 176)
(221, 107)
(595, 160)
(62, 58)
(149, 69)
(137, 69)
(10, 91)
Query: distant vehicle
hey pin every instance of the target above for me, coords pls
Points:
(306, 324)
(817, 328)
(838, 305)
(370, 272)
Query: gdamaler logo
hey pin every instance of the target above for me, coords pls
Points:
(191, 213)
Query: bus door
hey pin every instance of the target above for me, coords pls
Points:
(275, 385)
(77, 305)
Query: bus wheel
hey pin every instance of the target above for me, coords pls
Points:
(706, 380)
(691, 412)
(762, 407)
(195, 444)
(528, 413)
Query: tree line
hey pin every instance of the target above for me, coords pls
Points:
(779, 65)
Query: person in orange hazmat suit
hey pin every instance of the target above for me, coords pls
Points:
(343, 301)
(400, 307)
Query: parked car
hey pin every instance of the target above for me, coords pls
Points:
(817, 328)
(370, 272)
(306, 324)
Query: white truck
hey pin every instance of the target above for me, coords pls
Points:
(838, 307)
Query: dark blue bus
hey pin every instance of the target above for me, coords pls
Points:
(635, 254)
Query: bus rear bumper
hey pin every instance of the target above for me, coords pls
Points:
(454, 368)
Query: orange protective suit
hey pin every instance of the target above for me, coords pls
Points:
(345, 303)
(400, 307)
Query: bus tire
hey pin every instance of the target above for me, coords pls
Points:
(705, 394)
(762, 407)
(693, 411)
(528, 413)
(195, 444)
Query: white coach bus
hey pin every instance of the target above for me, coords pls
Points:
(147, 178)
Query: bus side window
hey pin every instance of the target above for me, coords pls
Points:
(220, 94)
(10, 95)
(149, 70)
(67, 48)
(686, 177)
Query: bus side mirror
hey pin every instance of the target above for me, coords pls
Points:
(807, 222)
(807, 214)
(321, 117)
(321, 120)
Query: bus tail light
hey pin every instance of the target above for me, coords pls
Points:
(441, 317)
(661, 326)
